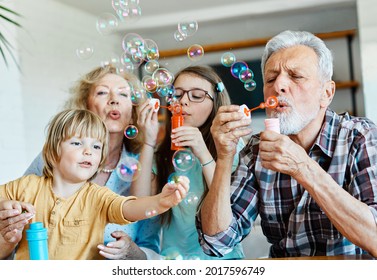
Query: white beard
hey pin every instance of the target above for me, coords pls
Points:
(293, 122)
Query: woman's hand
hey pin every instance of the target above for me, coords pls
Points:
(148, 123)
(121, 249)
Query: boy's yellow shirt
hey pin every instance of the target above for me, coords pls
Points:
(75, 225)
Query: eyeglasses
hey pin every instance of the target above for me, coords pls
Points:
(195, 95)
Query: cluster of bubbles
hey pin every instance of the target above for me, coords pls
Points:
(239, 70)
(127, 10)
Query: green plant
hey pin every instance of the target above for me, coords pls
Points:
(4, 43)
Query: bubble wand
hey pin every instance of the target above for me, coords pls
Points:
(271, 103)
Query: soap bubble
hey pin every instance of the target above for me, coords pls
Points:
(165, 91)
(191, 199)
(227, 59)
(131, 131)
(151, 66)
(173, 178)
(151, 49)
(128, 169)
(246, 75)
(133, 44)
(250, 86)
(85, 51)
(237, 68)
(112, 59)
(137, 96)
(163, 77)
(195, 52)
(129, 13)
(183, 160)
(179, 37)
(149, 84)
(106, 23)
(188, 27)
(150, 212)
(172, 253)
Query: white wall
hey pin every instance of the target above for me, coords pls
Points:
(46, 47)
(368, 46)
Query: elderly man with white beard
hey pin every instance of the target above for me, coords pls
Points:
(315, 184)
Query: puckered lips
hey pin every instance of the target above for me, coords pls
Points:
(85, 164)
(114, 114)
(282, 106)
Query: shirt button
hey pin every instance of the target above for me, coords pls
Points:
(76, 223)
(289, 234)
(270, 217)
(52, 212)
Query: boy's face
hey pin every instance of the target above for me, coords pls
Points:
(79, 159)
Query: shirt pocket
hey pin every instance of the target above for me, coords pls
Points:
(75, 230)
(272, 223)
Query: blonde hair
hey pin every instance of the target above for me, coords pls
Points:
(70, 123)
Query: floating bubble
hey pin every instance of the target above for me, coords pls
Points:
(163, 77)
(149, 83)
(106, 23)
(192, 257)
(151, 212)
(85, 51)
(128, 169)
(179, 37)
(151, 48)
(112, 59)
(124, 4)
(133, 44)
(129, 13)
(183, 160)
(237, 68)
(250, 86)
(227, 59)
(137, 96)
(188, 27)
(191, 199)
(173, 178)
(195, 52)
(151, 66)
(131, 131)
(129, 61)
(246, 75)
(118, 4)
(172, 253)
(165, 91)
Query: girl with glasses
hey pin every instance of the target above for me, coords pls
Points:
(200, 92)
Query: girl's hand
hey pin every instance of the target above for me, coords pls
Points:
(188, 136)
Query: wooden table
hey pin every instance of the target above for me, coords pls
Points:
(339, 257)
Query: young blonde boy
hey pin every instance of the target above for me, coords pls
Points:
(74, 210)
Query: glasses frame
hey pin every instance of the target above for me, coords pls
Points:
(189, 95)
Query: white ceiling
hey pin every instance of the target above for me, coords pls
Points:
(162, 13)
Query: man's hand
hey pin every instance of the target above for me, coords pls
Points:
(227, 128)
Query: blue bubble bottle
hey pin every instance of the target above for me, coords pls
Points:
(36, 236)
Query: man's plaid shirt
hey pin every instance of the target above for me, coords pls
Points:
(290, 218)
